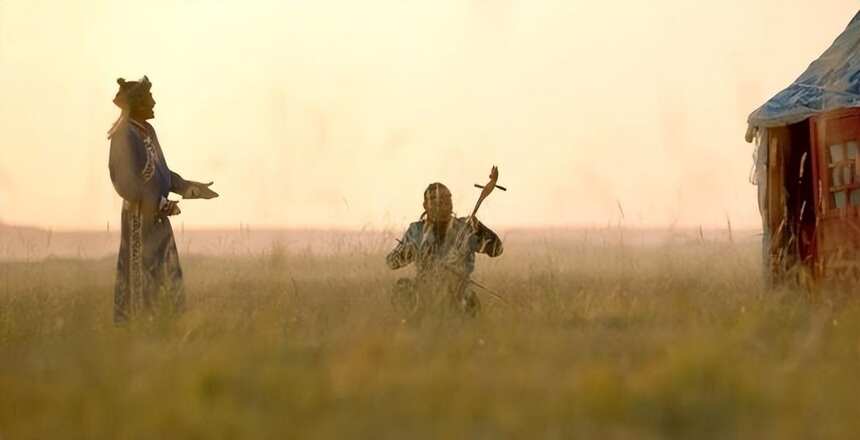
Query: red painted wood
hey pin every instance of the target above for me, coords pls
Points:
(838, 229)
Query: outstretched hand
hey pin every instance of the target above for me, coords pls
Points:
(197, 190)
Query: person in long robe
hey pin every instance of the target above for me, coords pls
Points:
(148, 274)
(442, 247)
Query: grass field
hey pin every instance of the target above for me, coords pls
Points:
(599, 340)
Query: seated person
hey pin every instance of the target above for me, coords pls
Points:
(443, 249)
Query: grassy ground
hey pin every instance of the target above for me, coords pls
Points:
(599, 341)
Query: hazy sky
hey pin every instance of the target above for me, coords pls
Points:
(339, 113)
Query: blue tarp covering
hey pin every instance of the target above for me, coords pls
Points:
(831, 82)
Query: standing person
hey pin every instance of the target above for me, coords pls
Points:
(443, 248)
(148, 275)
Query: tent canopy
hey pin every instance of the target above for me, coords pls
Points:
(830, 83)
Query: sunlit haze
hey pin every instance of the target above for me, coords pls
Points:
(338, 114)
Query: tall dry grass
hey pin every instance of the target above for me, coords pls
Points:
(600, 340)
